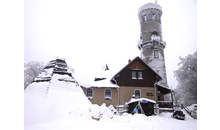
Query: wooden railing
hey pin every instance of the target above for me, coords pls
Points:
(193, 113)
(165, 104)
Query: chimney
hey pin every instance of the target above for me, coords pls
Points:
(129, 61)
(106, 67)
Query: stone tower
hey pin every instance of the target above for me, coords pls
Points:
(151, 42)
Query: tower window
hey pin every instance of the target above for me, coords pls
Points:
(145, 18)
(156, 54)
(153, 17)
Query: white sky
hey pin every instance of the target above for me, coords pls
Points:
(90, 33)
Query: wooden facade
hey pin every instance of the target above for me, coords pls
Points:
(149, 77)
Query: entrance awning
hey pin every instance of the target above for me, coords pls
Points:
(164, 90)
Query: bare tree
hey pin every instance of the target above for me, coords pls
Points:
(31, 70)
(186, 75)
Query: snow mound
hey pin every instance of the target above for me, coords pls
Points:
(54, 100)
(51, 101)
(101, 112)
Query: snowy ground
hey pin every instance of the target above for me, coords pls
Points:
(59, 105)
(124, 122)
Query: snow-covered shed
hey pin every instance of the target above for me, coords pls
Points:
(143, 105)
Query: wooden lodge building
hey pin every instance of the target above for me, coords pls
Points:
(136, 78)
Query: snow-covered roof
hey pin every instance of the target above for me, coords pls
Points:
(140, 99)
(55, 67)
(149, 5)
(104, 80)
(59, 58)
(105, 83)
(163, 89)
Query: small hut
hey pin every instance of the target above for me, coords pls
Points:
(144, 106)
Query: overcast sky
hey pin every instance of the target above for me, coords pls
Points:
(90, 33)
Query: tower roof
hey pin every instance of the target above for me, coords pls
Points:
(148, 6)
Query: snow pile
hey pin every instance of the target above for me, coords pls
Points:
(46, 102)
(193, 110)
(102, 112)
(54, 103)
(54, 100)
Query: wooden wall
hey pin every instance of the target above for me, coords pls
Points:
(125, 78)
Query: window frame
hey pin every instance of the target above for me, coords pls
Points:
(145, 18)
(140, 72)
(108, 98)
(89, 97)
(139, 93)
(156, 55)
(133, 74)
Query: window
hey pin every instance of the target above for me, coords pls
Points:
(140, 75)
(137, 93)
(156, 54)
(89, 93)
(145, 18)
(108, 94)
(153, 17)
(134, 75)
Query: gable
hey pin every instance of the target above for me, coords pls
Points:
(137, 65)
(124, 77)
